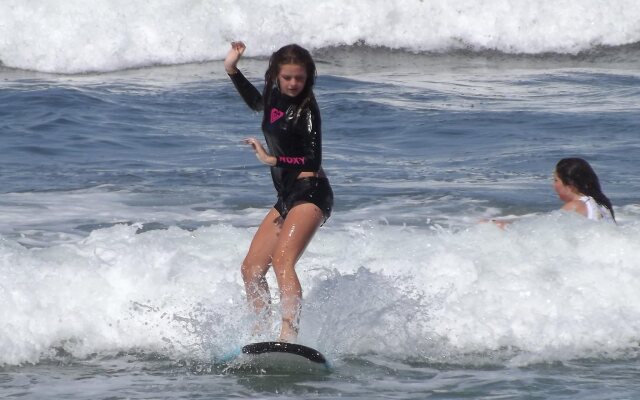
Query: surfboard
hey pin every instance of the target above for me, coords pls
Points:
(281, 357)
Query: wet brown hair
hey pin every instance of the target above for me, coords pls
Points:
(291, 54)
(578, 173)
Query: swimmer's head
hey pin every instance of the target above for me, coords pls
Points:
(577, 174)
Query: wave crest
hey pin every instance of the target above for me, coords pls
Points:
(74, 37)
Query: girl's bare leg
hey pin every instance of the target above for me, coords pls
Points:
(298, 229)
(257, 263)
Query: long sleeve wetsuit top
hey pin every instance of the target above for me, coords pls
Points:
(292, 135)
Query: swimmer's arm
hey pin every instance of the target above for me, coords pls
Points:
(500, 223)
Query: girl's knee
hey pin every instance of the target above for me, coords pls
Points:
(251, 272)
(283, 267)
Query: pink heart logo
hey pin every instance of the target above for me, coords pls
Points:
(276, 115)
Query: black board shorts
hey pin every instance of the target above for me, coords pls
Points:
(307, 190)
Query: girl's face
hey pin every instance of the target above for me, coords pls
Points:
(566, 193)
(291, 79)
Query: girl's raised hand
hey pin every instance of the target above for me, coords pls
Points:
(233, 56)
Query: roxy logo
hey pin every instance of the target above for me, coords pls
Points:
(292, 160)
(276, 115)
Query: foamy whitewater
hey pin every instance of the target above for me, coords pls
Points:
(538, 291)
(127, 200)
(106, 35)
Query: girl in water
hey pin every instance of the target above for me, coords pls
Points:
(578, 187)
(291, 126)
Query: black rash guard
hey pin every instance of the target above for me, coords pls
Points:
(292, 135)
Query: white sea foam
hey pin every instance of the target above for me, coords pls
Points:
(547, 288)
(75, 36)
(42, 219)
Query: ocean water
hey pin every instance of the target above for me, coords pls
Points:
(127, 200)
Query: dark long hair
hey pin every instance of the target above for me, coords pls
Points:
(578, 173)
(291, 54)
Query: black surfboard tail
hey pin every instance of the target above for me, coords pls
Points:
(310, 354)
